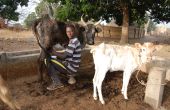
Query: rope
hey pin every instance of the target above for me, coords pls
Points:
(145, 84)
(141, 82)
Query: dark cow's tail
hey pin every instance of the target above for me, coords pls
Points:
(35, 32)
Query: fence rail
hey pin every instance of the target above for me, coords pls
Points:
(115, 32)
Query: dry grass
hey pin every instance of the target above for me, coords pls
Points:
(5, 33)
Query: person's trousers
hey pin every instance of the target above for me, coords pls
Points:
(56, 67)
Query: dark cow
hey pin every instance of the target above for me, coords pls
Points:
(50, 32)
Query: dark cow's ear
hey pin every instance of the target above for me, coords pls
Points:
(98, 29)
(82, 29)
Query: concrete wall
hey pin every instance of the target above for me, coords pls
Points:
(19, 64)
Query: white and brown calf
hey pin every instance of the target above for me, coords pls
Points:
(6, 96)
(109, 57)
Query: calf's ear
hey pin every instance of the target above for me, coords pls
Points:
(92, 50)
(138, 45)
(157, 47)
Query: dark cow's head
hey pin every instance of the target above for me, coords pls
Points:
(90, 31)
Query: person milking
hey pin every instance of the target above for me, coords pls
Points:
(67, 61)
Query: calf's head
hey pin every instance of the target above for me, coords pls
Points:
(146, 51)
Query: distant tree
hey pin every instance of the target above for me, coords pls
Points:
(151, 26)
(18, 25)
(8, 8)
(29, 20)
(125, 12)
(41, 9)
(45, 7)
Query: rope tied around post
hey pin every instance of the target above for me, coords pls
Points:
(142, 81)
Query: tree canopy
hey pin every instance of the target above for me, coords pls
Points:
(40, 9)
(73, 9)
(8, 8)
(29, 20)
(151, 26)
(125, 12)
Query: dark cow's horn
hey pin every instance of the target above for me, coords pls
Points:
(84, 23)
(98, 22)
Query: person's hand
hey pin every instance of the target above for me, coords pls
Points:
(60, 51)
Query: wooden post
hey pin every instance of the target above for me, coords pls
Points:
(138, 32)
(134, 32)
(103, 30)
(3, 61)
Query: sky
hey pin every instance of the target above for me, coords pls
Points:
(25, 11)
(164, 24)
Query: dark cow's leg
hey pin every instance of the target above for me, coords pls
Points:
(40, 68)
(41, 65)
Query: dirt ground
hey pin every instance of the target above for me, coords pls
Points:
(31, 95)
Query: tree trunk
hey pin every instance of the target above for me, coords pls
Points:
(146, 27)
(125, 26)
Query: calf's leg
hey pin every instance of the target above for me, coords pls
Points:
(94, 90)
(100, 78)
(126, 79)
(95, 84)
(123, 86)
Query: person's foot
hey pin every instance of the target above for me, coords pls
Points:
(71, 80)
(54, 86)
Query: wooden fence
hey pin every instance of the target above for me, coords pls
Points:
(115, 32)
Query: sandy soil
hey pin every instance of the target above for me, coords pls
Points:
(13, 44)
(20, 44)
(31, 95)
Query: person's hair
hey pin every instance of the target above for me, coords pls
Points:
(70, 26)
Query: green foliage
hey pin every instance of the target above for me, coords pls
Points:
(40, 9)
(151, 26)
(105, 9)
(160, 11)
(29, 20)
(8, 7)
